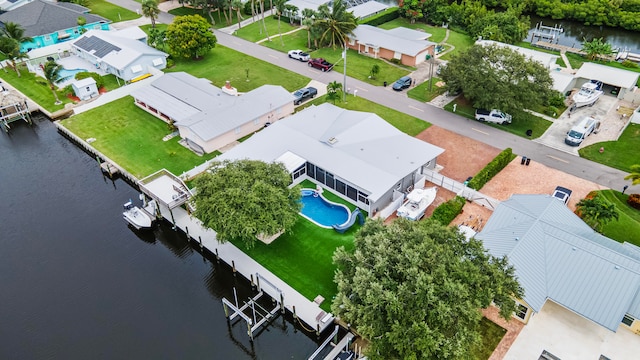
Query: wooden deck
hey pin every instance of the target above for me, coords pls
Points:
(558, 47)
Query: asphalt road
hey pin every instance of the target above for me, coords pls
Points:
(550, 157)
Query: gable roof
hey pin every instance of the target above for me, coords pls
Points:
(366, 9)
(609, 75)
(41, 17)
(402, 40)
(546, 59)
(557, 256)
(362, 148)
(115, 48)
(204, 108)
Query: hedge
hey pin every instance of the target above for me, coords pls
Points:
(446, 212)
(492, 169)
(381, 18)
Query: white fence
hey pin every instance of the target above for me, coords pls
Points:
(460, 189)
(391, 208)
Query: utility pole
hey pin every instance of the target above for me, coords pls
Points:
(431, 60)
(344, 81)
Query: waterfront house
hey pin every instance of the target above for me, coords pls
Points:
(123, 53)
(566, 269)
(209, 117)
(409, 47)
(547, 60)
(620, 82)
(49, 23)
(356, 155)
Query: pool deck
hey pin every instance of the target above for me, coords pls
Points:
(309, 312)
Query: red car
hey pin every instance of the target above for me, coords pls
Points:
(320, 63)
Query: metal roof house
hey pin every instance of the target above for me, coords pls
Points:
(410, 47)
(357, 155)
(546, 59)
(624, 79)
(559, 258)
(120, 53)
(207, 116)
(48, 22)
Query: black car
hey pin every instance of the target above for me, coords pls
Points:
(402, 83)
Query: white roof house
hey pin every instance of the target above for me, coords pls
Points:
(367, 9)
(408, 45)
(122, 53)
(546, 59)
(562, 82)
(558, 257)
(307, 4)
(358, 148)
(206, 115)
(624, 79)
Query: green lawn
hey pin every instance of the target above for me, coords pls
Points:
(254, 32)
(422, 92)
(293, 41)
(34, 87)
(222, 64)
(437, 33)
(620, 154)
(110, 11)
(359, 66)
(460, 41)
(407, 124)
(522, 121)
(627, 228)
(133, 138)
(491, 335)
(218, 18)
(111, 83)
(159, 26)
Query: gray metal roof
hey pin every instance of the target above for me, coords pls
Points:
(45, 17)
(365, 149)
(396, 40)
(366, 9)
(557, 256)
(609, 75)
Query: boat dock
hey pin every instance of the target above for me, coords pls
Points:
(547, 32)
(558, 47)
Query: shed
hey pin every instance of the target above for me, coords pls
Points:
(85, 89)
(624, 79)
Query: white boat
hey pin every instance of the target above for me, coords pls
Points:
(138, 218)
(589, 93)
(417, 203)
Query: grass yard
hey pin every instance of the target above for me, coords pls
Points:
(133, 138)
(294, 41)
(407, 124)
(491, 335)
(620, 154)
(460, 41)
(437, 33)
(110, 11)
(255, 31)
(522, 121)
(627, 228)
(422, 92)
(219, 20)
(222, 64)
(34, 87)
(359, 66)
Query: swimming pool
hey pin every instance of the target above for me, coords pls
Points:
(321, 211)
(69, 74)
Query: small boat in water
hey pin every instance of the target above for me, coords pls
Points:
(589, 93)
(417, 203)
(138, 218)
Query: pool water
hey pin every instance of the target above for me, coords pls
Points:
(322, 212)
(70, 74)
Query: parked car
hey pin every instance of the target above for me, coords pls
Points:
(561, 193)
(299, 55)
(320, 63)
(304, 94)
(402, 83)
(581, 130)
(494, 116)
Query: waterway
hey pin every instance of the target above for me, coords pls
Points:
(78, 283)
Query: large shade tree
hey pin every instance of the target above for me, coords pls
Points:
(189, 36)
(245, 199)
(498, 77)
(415, 289)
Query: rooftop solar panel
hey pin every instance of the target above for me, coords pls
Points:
(99, 47)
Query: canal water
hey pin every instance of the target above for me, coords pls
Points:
(78, 283)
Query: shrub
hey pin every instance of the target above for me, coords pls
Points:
(395, 61)
(634, 201)
(629, 64)
(446, 212)
(557, 100)
(552, 111)
(381, 18)
(492, 169)
(97, 77)
(170, 62)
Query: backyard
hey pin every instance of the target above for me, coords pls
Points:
(35, 87)
(133, 138)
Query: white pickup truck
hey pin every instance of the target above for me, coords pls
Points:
(494, 116)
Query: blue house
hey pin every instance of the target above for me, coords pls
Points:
(49, 23)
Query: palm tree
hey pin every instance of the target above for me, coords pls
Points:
(52, 74)
(237, 4)
(150, 9)
(597, 211)
(333, 91)
(634, 175)
(307, 21)
(280, 7)
(10, 48)
(292, 12)
(16, 32)
(337, 25)
(596, 48)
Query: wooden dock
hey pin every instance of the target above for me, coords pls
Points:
(558, 47)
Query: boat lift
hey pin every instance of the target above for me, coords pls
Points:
(12, 108)
(547, 32)
(259, 315)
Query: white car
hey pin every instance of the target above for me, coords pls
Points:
(299, 55)
(561, 193)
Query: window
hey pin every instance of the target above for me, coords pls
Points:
(311, 170)
(352, 193)
(627, 320)
(397, 55)
(157, 61)
(329, 180)
(521, 311)
(341, 187)
(47, 38)
(320, 175)
(136, 69)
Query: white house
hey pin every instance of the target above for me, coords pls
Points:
(207, 116)
(357, 155)
(546, 59)
(123, 53)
